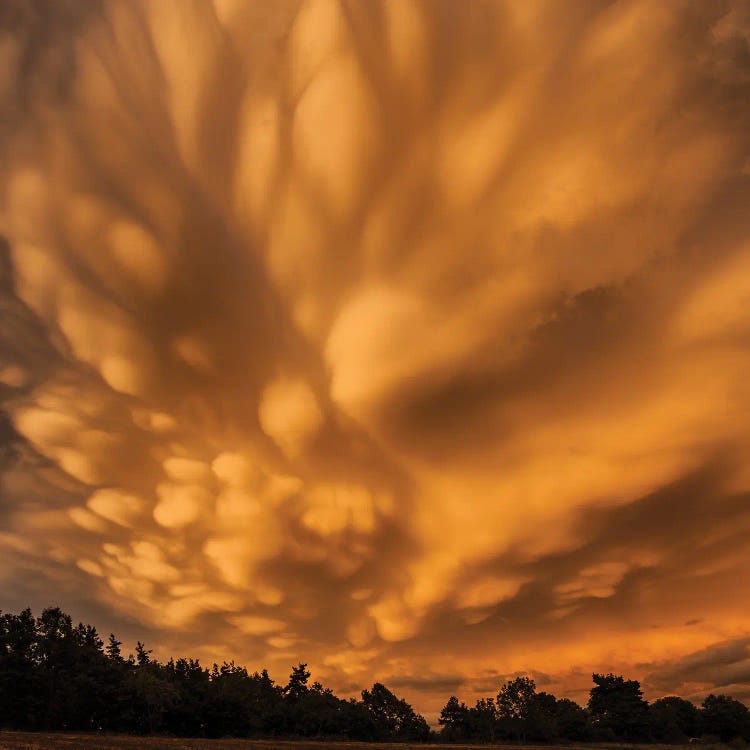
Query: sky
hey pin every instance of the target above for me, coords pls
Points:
(406, 339)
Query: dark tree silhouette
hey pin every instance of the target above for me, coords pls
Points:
(142, 656)
(515, 706)
(393, 717)
(21, 700)
(296, 688)
(617, 709)
(483, 720)
(112, 648)
(454, 718)
(674, 719)
(616, 712)
(57, 676)
(725, 718)
(571, 720)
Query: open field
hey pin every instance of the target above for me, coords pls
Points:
(56, 741)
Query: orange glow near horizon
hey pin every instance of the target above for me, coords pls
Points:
(409, 339)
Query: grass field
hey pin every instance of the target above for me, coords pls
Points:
(55, 741)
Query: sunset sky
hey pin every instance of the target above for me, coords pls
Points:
(407, 338)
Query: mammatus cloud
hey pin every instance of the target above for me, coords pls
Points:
(382, 334)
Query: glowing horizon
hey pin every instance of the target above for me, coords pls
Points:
(406, 339)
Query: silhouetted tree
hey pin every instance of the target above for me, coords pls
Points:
(454, 718)
(153, 697)
(142, 656)
(515, 705)
(57, 676)
(483, 720)
(191, 683)
(541, 720)
(393, 717)
(674, 719)
(725, 717)
(317, 713)
(571, 719)
(356, 721)
(296, 688)
(21, 698)
(520, 713)
(617, 709)
(113, 648)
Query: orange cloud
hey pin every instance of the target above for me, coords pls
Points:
(383, 334)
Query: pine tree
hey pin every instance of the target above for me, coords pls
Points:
(112, 648)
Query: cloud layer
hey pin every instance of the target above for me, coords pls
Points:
(409, 339)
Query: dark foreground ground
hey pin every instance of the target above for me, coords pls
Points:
(55, 741)
(37, 741)
(34, 741)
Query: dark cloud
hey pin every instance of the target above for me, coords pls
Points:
(718, 664)
(37, 39)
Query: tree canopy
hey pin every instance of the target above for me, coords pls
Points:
(616, 712)
(56, 676)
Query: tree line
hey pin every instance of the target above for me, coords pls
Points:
(616, 712)
(57, 676)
